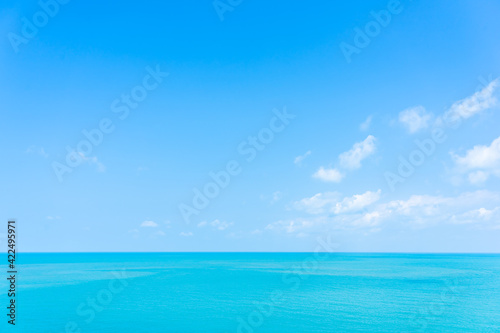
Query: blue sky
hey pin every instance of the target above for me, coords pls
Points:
(175, 91)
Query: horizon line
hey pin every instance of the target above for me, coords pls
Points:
(250, 252)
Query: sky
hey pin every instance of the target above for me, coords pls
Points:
(250, 125)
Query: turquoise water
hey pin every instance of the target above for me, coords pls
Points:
(265, 292)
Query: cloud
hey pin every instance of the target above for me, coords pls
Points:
(92, 160)
(357, 202)
(348, 160)
(352, 159)
(149, 224)
(467, 107)
(159, 233)
(298, 160)
(34, 150)
(186, 234)
(318, 203)
(331, 202)
(427, 209)
(276, 197)
(476, 216)
(135, 232)
(290, 226)
(415, 119)
(328, 175)
(364, 126)
(217, 224)
(478, 177)
(330, 211)
(479, 162)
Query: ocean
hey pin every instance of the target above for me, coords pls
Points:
(254, 292)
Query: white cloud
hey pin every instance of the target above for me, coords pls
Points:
(364, 126)
(329, 212)
(479, 162)
(298, 160)
(352, 159)
(415, 119)
(356, 202)
(276, 197)
(331, 202)
(35, 150)
(160, 233)
(53, 217)
(186, 234)
(149, 224)
(92, 160)
(371, 219)
(318, 203)
(476, 216)
(426, 209)
(135, 233)
(478, 177)
(221, 225)
(481, 157)
(328, 175)
(467, 107)
(217, 224)
(290, 226)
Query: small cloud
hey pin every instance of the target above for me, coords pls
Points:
(478, 177)
(479, 162)
(475, 216)
(34, 150)
(276, 197)
(186, 234)
(352, 159)
(134, 233)
(221, 225)
(149, 224)
(159, 233)
(328, 175)
(331, 202)
(290, 227)
(93, 160)
(415, 119)
(217, 224)
(141, 169)
(364, 126)
(467, 107)
(298, 160)
(53, 217)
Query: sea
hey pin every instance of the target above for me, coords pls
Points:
(253, 292)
